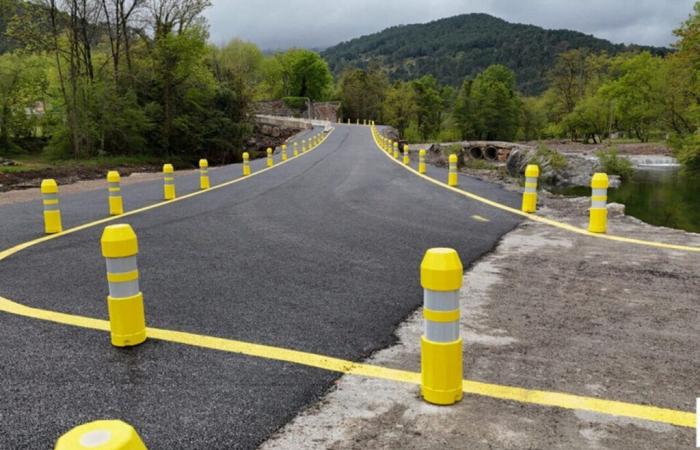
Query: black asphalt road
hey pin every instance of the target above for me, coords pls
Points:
(319, 255)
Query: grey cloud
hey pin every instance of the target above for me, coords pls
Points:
(276, 24)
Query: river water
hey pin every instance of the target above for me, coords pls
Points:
(659, 196)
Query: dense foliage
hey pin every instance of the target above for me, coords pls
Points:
(136, 77)
(461, 47)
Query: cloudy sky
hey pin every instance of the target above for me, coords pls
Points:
(274, 24)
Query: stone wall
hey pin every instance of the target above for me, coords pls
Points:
(320, 110)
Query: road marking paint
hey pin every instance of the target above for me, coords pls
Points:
(17, 248)
(479, 218)
(521, 395)
(540, 219)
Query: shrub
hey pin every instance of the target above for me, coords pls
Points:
(295, 102)
(545, 155)
(412, 133)
(479, 164)
(613, 164)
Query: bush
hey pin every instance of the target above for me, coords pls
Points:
(479, 164)
(412, 133)
(449, 135)
(295, 102)
(545, 155)
(613, 164)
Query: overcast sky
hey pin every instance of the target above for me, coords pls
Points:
(274, 24)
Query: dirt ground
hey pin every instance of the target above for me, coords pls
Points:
(546, 310)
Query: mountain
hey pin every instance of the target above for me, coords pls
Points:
(457, 47)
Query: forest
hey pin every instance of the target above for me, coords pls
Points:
(95, 78)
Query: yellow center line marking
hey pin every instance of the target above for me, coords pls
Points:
(479, 218)
(529, 396)
(17, 248)
(534, 218)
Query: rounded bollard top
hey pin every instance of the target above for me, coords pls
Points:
(599, 181)
(396, 144)
(168, 168)
(113, 176)
(421, 152)
(102, 435)
(441, 270)
(49, 186)
(405, 147)
(269, 151)
(246, 155)
(203, 163)
(119, 241)
(532, 170)
(284, 146)
(453, 158)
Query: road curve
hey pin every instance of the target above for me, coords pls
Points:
(319, 255)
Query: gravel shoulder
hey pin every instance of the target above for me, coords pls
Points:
(547, 310)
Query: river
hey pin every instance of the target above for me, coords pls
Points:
(659, 196)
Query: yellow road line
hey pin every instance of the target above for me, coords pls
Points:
(479, 218)
(534, 218)
(17, 248)
(536, 397)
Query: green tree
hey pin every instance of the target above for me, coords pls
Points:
(362, 93)
(429, 106)
(304, 74)
(489, 108)
(400, 107)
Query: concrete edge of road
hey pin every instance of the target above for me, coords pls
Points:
(535, 218)
(19, 247)
(508, 393)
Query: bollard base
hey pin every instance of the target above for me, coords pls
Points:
(598, 220)
(452, 180)
(441, 372)
(529, 202)
(116, 206)
(204, 184)
(421, 168)
(52, 222)
(169, 192)
(127, 320)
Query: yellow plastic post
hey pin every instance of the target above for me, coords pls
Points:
(204, 174)
(406, 158)
(452, 177)
(246, 164)
(598, 222)
(270, 161)
(441, 344)
(101, 435)
(421, 161)
(284, 152)
(127, 321)
(168, 182)
(396, 150)
(296, 149)
(52, 210)
(116, 204)
(532, 172)
(303, 145)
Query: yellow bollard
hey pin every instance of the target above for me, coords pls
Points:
(348, 121)
(421, 161)
(284, 152)
(296, 149)
(102, 435)
(441, 345)
(168, 182)
(270, 161)
(358, 122)
(246, 164)
(52, 211)
(303, 146)
(452, 177)
(204, 174)
(599, 204)
(532, 172)
(116, 204)
(396, 150)
(127, 321)
(406, 158)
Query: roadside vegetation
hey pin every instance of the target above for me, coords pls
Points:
(104, 78)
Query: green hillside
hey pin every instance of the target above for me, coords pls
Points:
(462, 46)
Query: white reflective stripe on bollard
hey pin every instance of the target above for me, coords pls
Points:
(441, 302)
(123, 277)
(599, 199)
(531, 184)
(50, 202)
